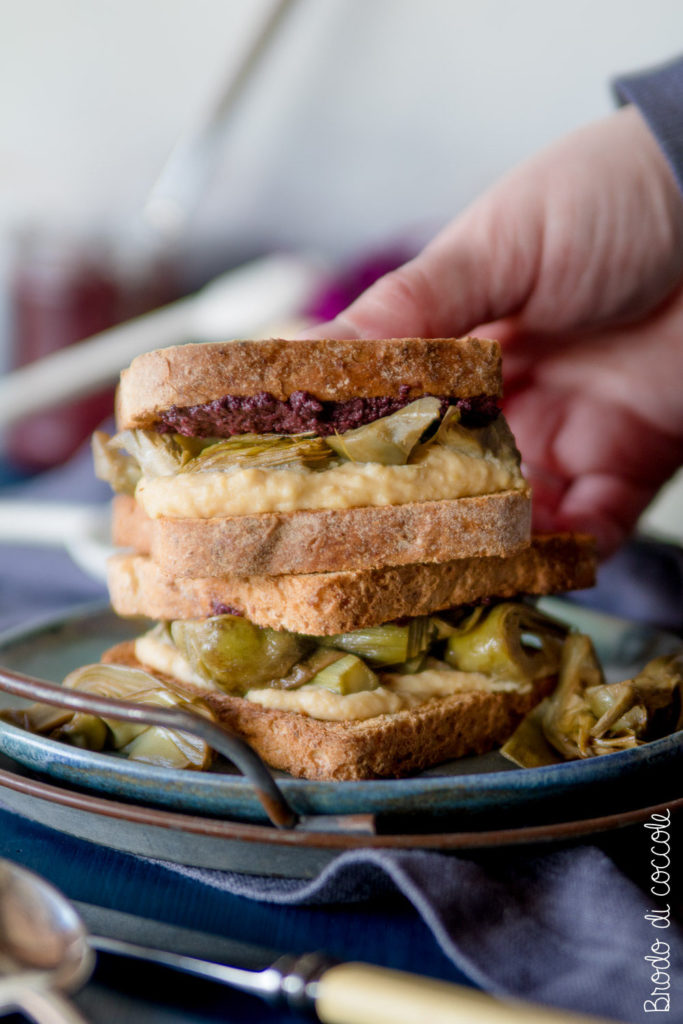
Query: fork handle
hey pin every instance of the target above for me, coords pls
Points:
(363, 994)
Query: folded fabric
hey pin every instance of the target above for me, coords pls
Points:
(564, 928)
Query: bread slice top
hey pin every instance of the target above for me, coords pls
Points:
(331, 370)
(321, 604)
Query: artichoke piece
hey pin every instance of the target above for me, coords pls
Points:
(495, 438)
(39, 718)
(120, 470)
(85, 731)
(567, 719)
(617, 709)
(528, 746)
(660, 688)
(169, 748)
(586, 717)
(267, 450)
(630, 712)
(93, 733)
(555, 725)
(304, 671)
(347, 674)
(391, 644)
(77, 728)
(234, 653)
(452, 435)
(155, 454)
(509, 641)
(175, 749)
(391, 439)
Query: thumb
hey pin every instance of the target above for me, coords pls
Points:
(478, 269)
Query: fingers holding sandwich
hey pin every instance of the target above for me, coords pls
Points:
(593, 465)
(572, 262)
(478, 269)
(552, 245)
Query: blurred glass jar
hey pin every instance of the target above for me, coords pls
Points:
(63, 289)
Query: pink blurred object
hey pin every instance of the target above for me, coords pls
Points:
(353, 281)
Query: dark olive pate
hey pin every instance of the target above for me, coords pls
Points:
(303, 413)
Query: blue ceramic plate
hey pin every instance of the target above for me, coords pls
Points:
(466, 791)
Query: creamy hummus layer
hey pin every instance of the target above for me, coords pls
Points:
(397, 692)
(435, 473)
(163, 656)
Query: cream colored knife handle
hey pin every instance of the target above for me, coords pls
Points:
(362, 994)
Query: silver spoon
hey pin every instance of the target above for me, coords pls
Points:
(44, 948)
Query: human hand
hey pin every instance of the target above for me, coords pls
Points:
(574, 261)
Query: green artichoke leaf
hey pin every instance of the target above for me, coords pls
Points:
(155, 454)
(270, 451)
(120, 470)
(391, 439)
(390, 644)
(511, 641)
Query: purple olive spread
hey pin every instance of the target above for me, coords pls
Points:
(303, 413)
(218, 608)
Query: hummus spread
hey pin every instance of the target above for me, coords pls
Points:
(396, 692)
(434, 473)
(162, 656)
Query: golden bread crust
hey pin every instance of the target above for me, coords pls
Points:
(329, 540)
(331, 370)
(338, 602)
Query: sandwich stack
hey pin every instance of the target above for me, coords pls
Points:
(333, 538)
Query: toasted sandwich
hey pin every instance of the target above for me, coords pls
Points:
(285, 457)
(333, 538)
(359, 674)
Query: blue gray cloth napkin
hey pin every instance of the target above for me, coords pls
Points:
(565, 926)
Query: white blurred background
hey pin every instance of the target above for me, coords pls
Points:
(369, 124)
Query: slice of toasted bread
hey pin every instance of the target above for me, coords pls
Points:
(328, 540)
(188, 375)
(338, 602)
(387, 746)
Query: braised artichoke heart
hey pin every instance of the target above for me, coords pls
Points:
(151, 744)
(234, 653)
(509, 641)
(390, 644)
(390, 439)
(586, 716)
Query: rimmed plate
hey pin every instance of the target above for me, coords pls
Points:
(471, 792)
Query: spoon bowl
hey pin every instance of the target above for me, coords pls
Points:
(44, 946)
(40, 931)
